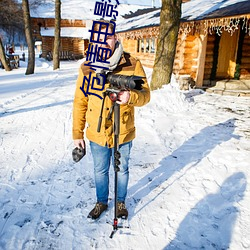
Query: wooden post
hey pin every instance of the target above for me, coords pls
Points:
(145, 45)
(156, 41)
(149, 45)
(140, 41)
(201, 60)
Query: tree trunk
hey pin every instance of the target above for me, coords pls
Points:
(3, 57)
(169, 27)
(56, 59)
(29, 38)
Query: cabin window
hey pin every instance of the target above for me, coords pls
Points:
(146, 45)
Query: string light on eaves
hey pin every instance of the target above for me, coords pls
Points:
(218, 25)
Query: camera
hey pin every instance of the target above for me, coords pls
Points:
(125, 82)
(122, 82)
(78, 153)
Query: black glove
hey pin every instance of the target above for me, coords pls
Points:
(78, 153)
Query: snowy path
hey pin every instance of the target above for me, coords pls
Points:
(189, 171)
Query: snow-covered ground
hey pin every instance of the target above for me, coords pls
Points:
(189, 170)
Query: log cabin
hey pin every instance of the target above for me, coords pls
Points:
(213, 41)
(74, 37)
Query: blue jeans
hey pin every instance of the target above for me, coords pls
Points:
(102, 158)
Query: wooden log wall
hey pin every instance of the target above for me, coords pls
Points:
(146, 59)
(66, 44)
(179, 59)
(245, 60)
(186, 55)
(185, 59)
(190, 56)
(47, 45)
(131, 46)
(73, 45)
(50, 22)
(79, 46)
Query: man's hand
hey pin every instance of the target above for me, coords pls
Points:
(123, 97)
(79, 143)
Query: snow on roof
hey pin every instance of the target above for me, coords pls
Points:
(142, 2)
(191, 11)
(38, 42)
(79, 9)
(68, 32)
(197, 9)
(139, 21)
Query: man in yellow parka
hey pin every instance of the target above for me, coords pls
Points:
(87, 107)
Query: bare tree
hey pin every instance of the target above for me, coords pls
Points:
(36, 3)
(11, 16)
(3, 57)
(56, 59)
(168, 34)
(28, 33)
(11, 23)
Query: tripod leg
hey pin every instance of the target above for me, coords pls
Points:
(116, 161)
(100, 117)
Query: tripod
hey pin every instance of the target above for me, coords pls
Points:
(116, 129)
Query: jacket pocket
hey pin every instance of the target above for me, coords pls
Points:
(127, 120)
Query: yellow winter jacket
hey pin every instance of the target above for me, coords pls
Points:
(87, 108)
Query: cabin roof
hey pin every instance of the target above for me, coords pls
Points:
(194, 10)
(208, 9)
(79, 10)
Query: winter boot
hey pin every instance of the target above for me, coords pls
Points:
(122, 211)
(97, 210)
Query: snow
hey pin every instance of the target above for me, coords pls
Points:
(189, 169)
(196, 9)
(83, 10)
(145, 20)
(67, 32)
(157, 3)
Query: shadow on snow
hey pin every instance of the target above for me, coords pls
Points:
(23, 110)
(210, 223)
(190, 153)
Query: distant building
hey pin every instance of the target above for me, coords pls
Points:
(74, 37)
(77, 16)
